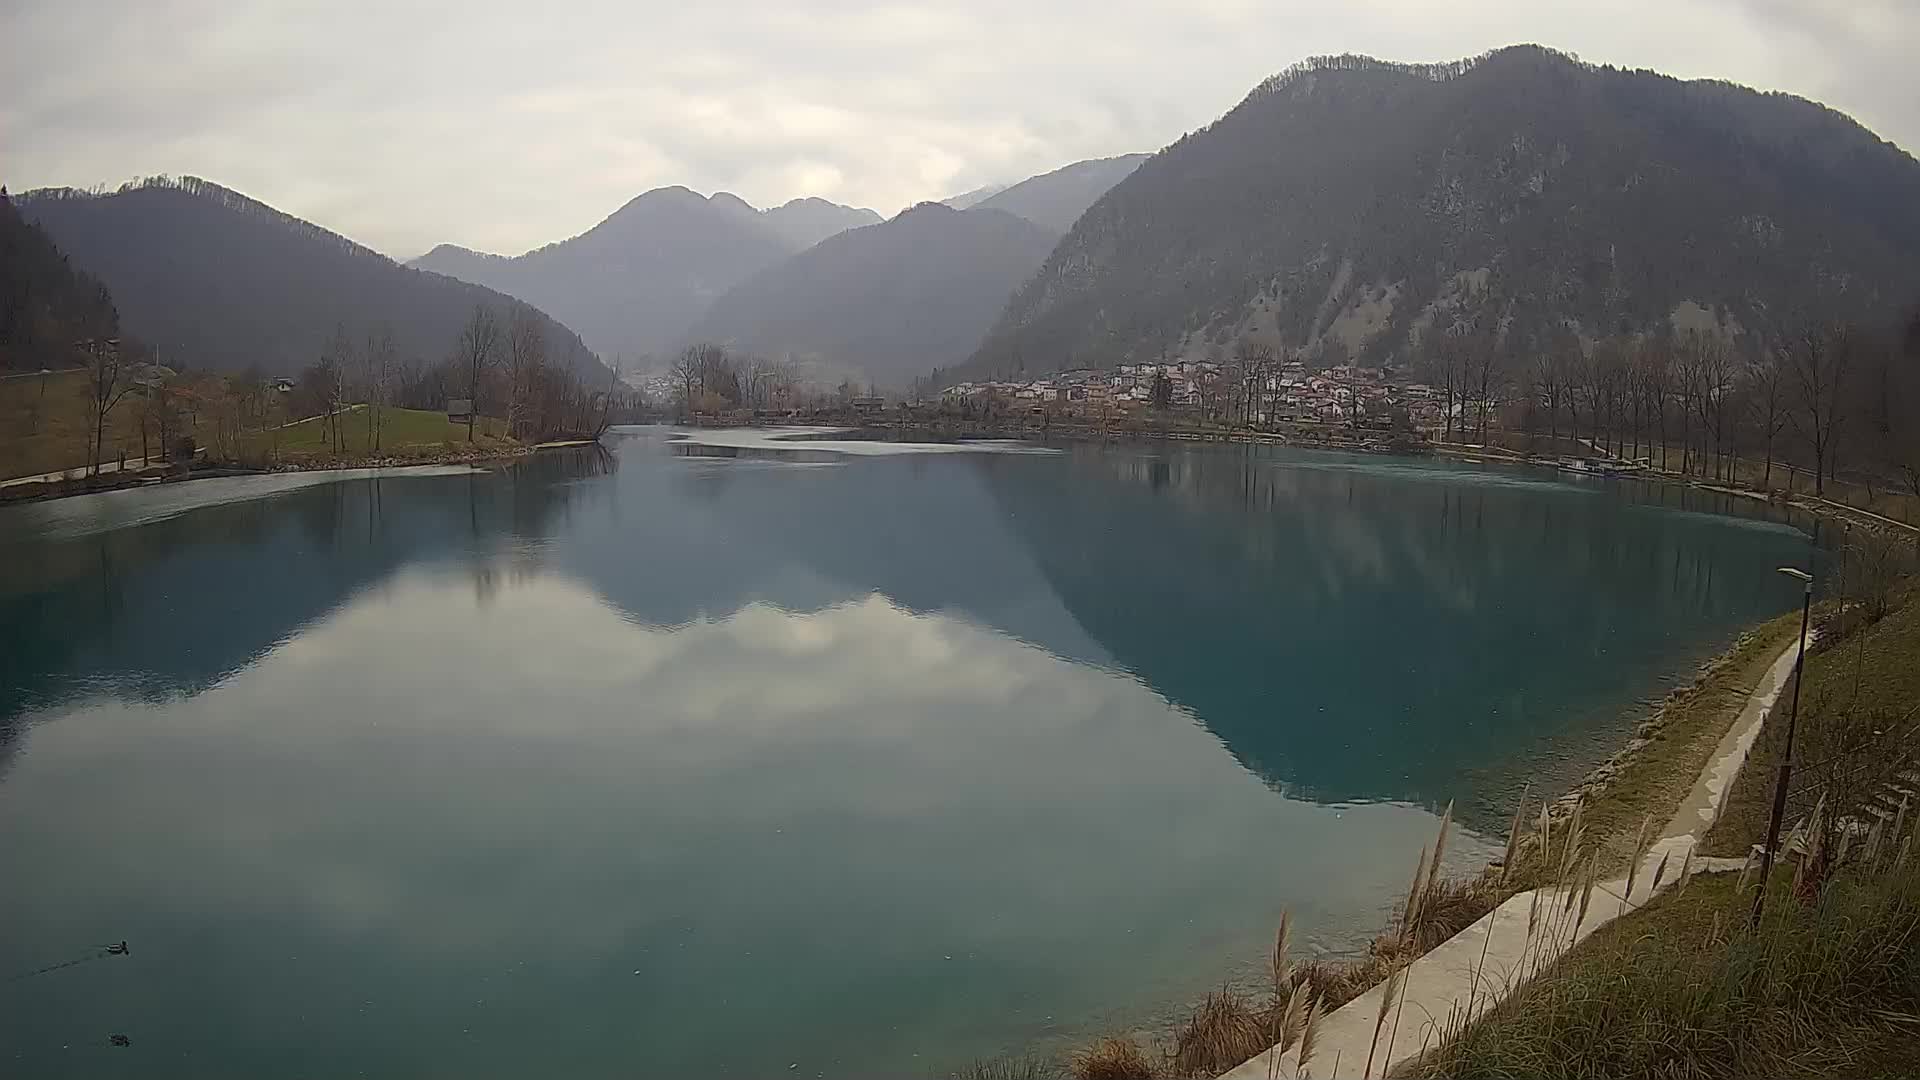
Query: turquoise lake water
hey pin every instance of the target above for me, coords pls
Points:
(732, 762)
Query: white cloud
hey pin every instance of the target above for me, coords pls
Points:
(406, 124)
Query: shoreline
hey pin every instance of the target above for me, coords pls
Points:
(25, 493)
(1680, 757)
(1321, 437)
(1496, 955)
(1664, 757)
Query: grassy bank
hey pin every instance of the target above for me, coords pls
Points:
(1829, 984)
(1652, 775)
(406, 436)
(1856, 730)
(1645, 782)
(46, 427)
(46, 424)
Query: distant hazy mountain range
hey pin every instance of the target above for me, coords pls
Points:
(885, 303)
(1346, 208)
(632, 284)
(967, 200)
(213, 278)
(1350, 207)
(672, 266)
(1057, 199)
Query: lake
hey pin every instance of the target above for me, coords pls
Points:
(842, 760)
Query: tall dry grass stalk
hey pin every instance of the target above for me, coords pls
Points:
(1280, 965)
(1586, 889)
(1640, 845)
(1387, 993)
(1293, 1020)
(1574, 833)
(1410, 911)
(1513, 834)
(1282, 971)
(1439, 847)
(1309, 1036)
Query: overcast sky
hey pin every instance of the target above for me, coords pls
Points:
(502, 126)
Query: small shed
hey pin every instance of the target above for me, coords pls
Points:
(459, 409)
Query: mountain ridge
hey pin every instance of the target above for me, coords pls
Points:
(887, 301)
(1361, 202)
(633, 282)
(1056, 199)
(218, 278)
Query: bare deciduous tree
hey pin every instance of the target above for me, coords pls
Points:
(106, 385)
(479, 341)
(526, 358)
(1767, 405)
(334, 368)
(1819, 359)
(686, 372)
(377, 363)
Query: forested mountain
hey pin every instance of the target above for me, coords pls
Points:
(633, 283)
(887, 302)
(45, 304)
(1057, 199)
(214, 279)
(1354, 207)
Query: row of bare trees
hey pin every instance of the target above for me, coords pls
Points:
(1827, 396)
(347, 374)
(349, 391)
(507, 369)
(709, 379)
(500, 369)
(173, 412)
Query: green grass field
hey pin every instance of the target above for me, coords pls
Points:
(44, 423)
(403, 433)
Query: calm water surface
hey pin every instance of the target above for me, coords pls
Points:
(716, 761)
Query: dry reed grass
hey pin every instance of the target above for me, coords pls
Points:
(1112, 1058)
(1026, 1068)
(1224, 1031)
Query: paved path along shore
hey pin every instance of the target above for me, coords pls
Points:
(1478, 967)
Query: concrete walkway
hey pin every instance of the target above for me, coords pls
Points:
(1472, 971)
(79, 471)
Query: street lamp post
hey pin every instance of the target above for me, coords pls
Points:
(1786, 758)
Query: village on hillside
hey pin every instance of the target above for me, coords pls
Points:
(1288, 391)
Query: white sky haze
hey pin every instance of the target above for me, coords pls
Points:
(503, 126)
